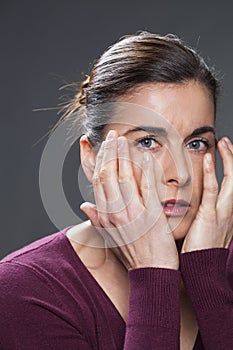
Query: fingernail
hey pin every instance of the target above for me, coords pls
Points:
(86, 204)
(111, 135)
(83, 205)
(121, 142)
(224, 143)
(227, 140)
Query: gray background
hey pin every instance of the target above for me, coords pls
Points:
(47, 43)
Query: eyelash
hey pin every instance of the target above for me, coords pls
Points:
(138, 142)
(200, 139)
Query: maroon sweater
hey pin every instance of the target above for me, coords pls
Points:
(49, 301)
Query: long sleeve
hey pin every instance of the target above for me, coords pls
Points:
(154, 310)
(205, 277)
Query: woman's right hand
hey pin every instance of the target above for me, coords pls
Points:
(130, 219)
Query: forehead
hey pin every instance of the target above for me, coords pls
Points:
(183, 107)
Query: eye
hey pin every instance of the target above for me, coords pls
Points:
(198, 145)
(148, 142)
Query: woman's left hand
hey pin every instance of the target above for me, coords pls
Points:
(213, 225)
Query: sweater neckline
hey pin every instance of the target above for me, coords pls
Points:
(77, 261)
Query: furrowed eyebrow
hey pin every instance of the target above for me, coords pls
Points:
(202, 130)
(149, 129)
(163, 131)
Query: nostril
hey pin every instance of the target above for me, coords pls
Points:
(172, 180)
(180, 181)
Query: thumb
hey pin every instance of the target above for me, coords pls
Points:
(91, 212)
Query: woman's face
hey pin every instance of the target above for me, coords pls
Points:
(175, 123)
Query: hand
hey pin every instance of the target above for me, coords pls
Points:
(130, 219)
(213, 225)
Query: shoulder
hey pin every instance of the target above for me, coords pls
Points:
(43, 281)
(48, 266)
(43, 303)
(53, 241)
(49, 263)
(32, 266)
(41, 256)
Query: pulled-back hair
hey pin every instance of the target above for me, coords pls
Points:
(134, 60)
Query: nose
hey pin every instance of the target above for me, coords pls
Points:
(176, 168)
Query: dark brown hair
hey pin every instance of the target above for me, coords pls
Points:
(134, 60)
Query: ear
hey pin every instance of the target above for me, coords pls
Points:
(88, 157)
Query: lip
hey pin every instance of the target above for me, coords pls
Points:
(173, 207)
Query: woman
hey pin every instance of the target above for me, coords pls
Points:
(152, 268)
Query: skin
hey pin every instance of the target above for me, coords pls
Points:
(184, 108)
(130, 181)
(208, 222)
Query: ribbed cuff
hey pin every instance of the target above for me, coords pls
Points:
(205, 277)
(154, 297)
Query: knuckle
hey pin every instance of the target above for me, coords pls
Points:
(116, 218)
(95, 180)
(103, 220)
(207, 215)
(124, 178)
(146, 186)
(212, 188)
(103, 174)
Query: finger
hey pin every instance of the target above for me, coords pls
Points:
(225, 201)
(91, 212)
(109, 178)
(96, 180)
(148, 183)
(127, 183)
(97, 186)
(225, 148)
(229, 143)
(106, 190)
(210, 187)
(108, 171)
(99, 158)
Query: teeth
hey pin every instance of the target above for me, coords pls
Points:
(174, 205)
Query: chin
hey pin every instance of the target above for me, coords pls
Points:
(180, 227)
